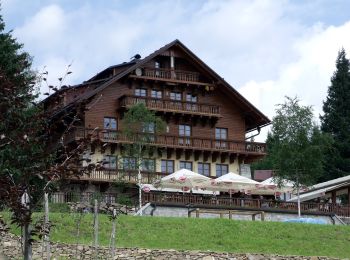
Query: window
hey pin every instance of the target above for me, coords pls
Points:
(191, 98)
(141, 92)
(156, 94)
(110, 125)
(148, 165)
(167, 166)
(186, 165)
(176, 96)
(157, 67)
(204, 169)
(148, 128)
(221, 169)
(221, 137)
(221, 133)
(110, 162)
(185, 130)
(129, 163)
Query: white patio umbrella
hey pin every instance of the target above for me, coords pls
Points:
(270, 187)
(233, 182)
(150, 187)
(287, 185)
(183, 179)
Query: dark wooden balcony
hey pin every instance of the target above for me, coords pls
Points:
(170, 141)
(178, 76)
(115, 175)
(171, 106)
(245, 203)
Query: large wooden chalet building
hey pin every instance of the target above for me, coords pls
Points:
(207, 119)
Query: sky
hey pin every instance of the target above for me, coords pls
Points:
(266, 49)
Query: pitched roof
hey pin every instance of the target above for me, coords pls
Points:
(254, 117)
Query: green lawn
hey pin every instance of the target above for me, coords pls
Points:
(208, 234)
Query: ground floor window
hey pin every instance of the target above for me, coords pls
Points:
(129, 163)
(167, 166)
(186, 165)
(110, 162)
(204, 169)
(148, 165)
(221, 169)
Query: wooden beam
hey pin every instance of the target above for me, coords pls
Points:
(159, 152)
(223, 157)
(188, 154)
(196, 155)
(113, 148)
(232, 157)
(214, 156)
(179, 153)
(206, 156)
(169, 153)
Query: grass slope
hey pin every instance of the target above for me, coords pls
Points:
(207, 234)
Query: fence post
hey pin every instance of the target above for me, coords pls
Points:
(113, 232)
(47, 227)
(96, 227)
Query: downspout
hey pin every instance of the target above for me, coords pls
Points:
(257, 128)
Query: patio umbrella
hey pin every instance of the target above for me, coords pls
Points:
(183, 179)
(233, 182)
(150, 187)
(271, 187)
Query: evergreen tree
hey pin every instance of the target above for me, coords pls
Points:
(336, 120)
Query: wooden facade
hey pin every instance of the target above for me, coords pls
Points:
(181, 89)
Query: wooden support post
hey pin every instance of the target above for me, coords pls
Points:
(47, 236)
(197, 213)
(253, 217)
(230, 214)
(113, 232)
(334, 197)
(96, 227)
(221, 215)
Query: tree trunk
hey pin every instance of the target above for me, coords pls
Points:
(298, 194)
(140, 190)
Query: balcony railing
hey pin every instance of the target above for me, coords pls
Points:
(168, 105)
(246, 203)
(115, 175)
(161, 73)
(204, 144)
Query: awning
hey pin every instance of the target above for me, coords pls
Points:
(316, 193)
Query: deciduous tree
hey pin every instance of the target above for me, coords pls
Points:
(141, 126)
(298, 150)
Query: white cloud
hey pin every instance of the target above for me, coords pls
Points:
(262, 48)
(309, 76)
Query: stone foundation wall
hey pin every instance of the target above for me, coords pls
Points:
(10, 248)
